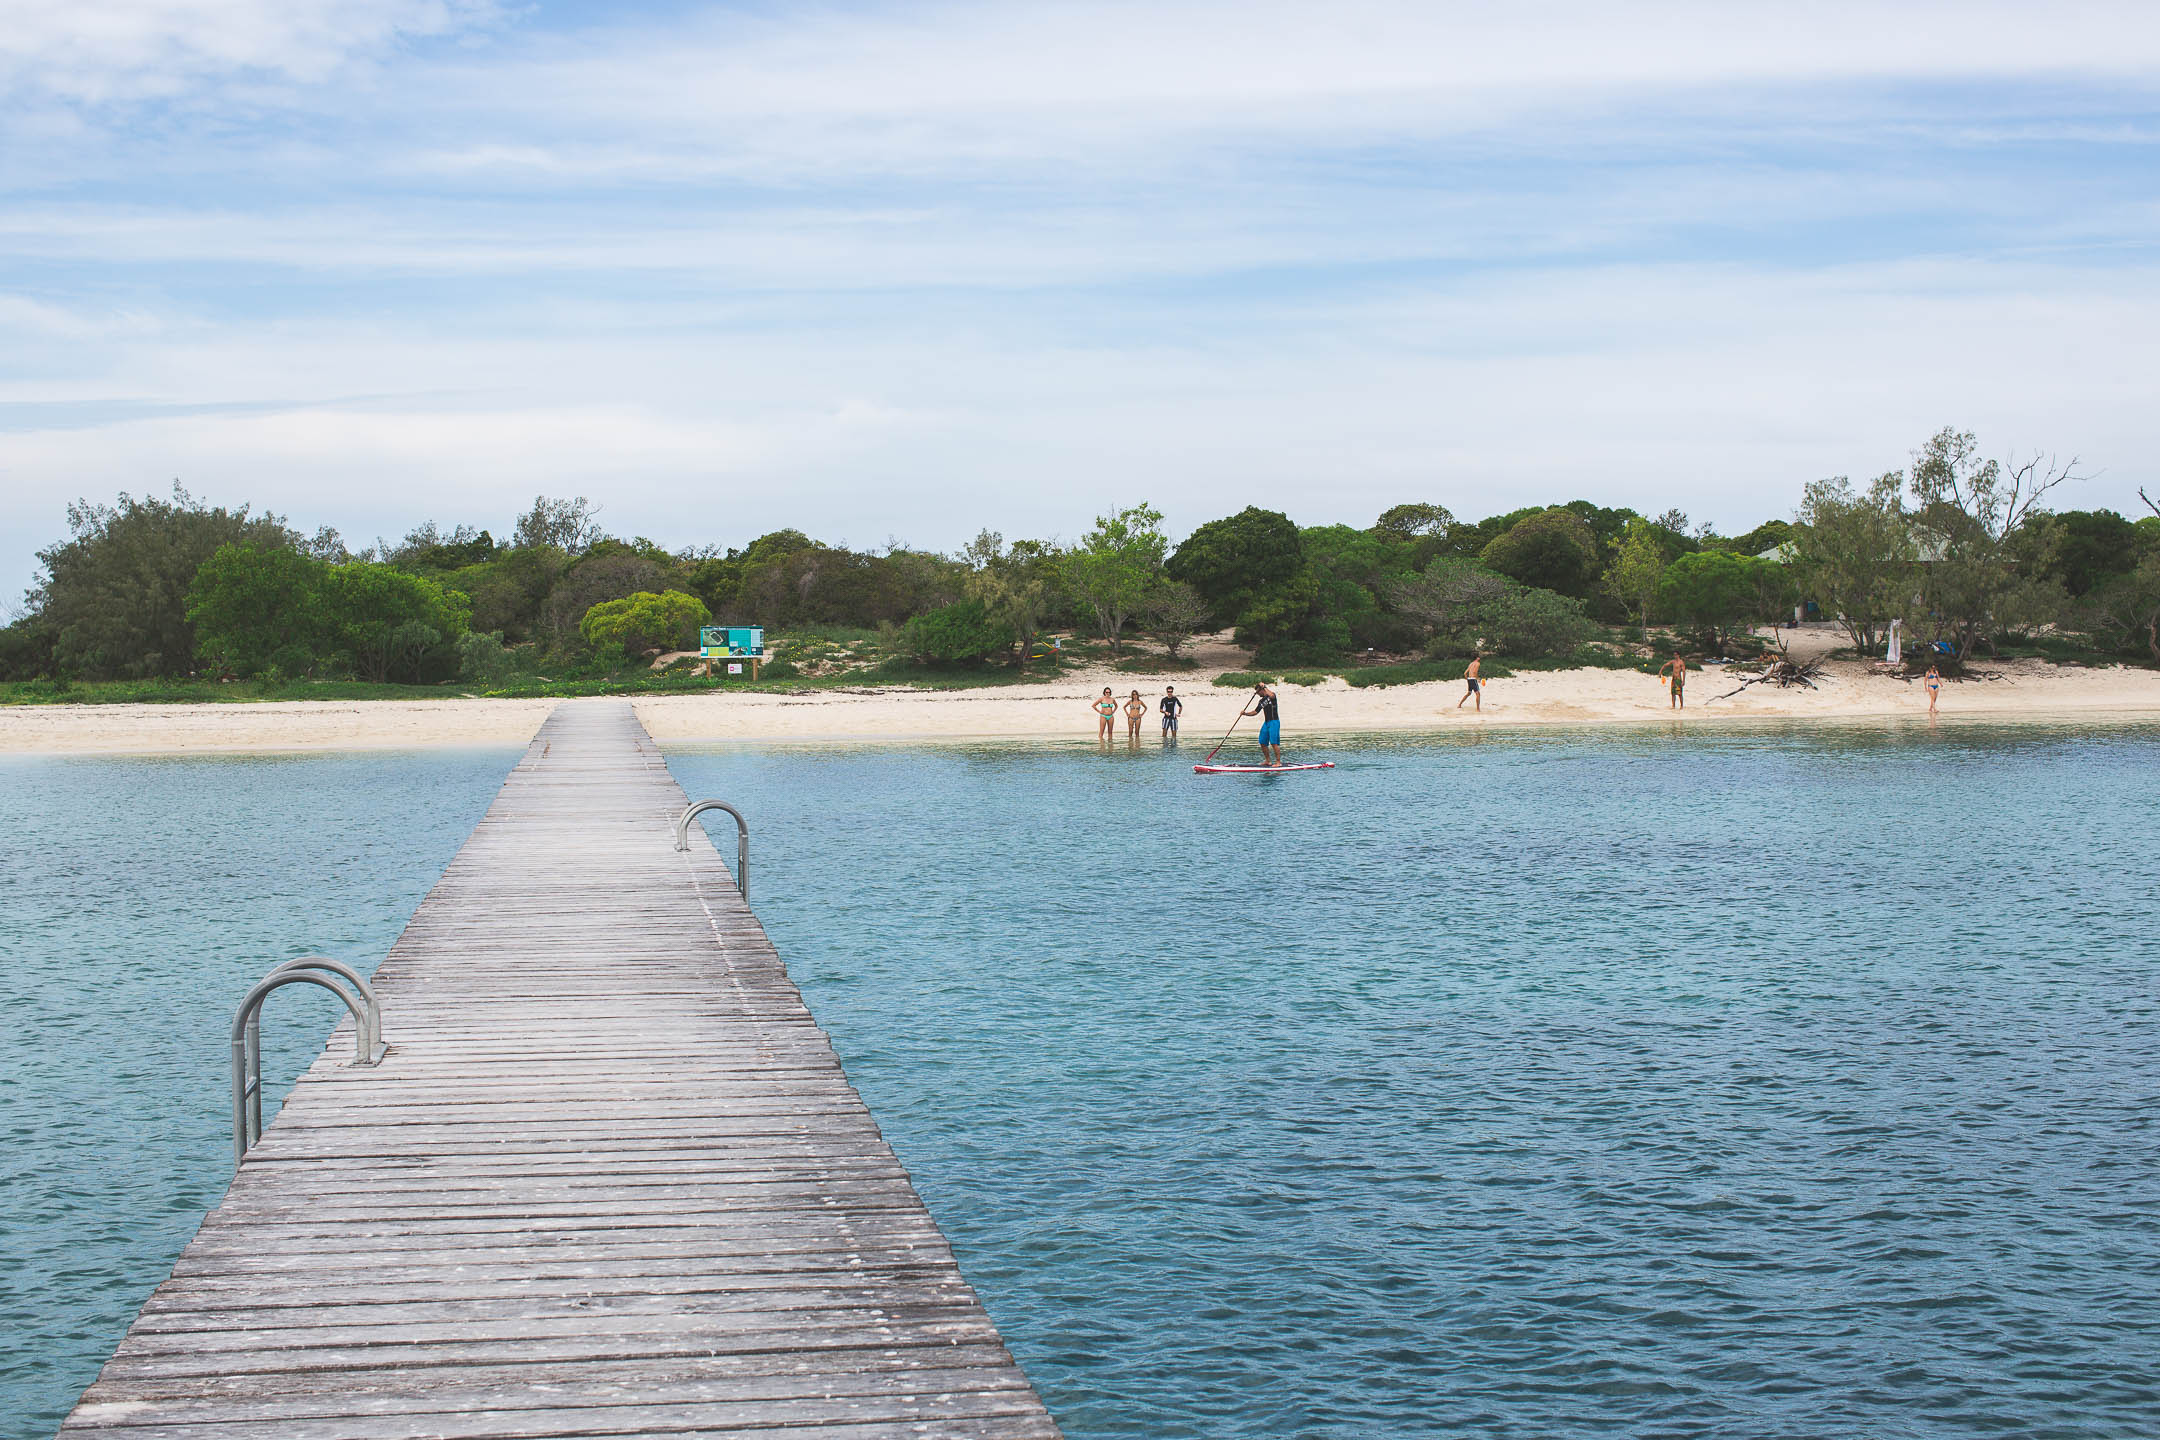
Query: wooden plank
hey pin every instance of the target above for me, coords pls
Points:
(610, 1179)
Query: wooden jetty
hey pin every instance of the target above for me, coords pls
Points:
(608, 1181)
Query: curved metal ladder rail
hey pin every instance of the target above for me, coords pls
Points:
(247, 1038)
(742, 838)
(370, 1023)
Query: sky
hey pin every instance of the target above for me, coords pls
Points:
(900, 272)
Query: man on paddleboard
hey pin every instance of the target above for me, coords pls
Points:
(1264, 705)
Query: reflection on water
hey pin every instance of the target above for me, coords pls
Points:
(1768, 1083)
(138, 901)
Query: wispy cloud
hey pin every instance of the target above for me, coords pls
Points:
(107, 52)
(915, 267)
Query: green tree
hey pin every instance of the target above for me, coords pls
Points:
(1019, 586)
(1981, 578)
(26, 649)
(1714, 591)
(1115, 566)
(1174, 612)
(1854, 554)
(2126, 607)
(1245, 563)
(2090, 547)
(588, 582)
(1637, 569)
(963, 633)
(571, 526)
(391, 625)
(1409, 523)
(645, 621)
(1551, 550)
(115, 593)
(1769, 535)
(1353, 568)
(253, 607)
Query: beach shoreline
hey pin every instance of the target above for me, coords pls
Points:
(2027, 692)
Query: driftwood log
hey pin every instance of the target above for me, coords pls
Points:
(1780, 672)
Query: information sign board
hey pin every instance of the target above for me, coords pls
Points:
(718, 642)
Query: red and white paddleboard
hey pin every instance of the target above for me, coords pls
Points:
(1258, 769)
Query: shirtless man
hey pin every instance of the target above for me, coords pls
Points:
(1477, 689)
(1678, 669)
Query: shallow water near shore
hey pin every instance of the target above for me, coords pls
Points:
(1777, 1082)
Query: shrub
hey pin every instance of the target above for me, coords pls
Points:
(484, 660)
(963, 633)
(668, 620)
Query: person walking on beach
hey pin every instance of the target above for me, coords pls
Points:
(1476, 690)
(1170, 707)
(1264, 705)
(1933, 681)
(1678, 668)
(1106, 714)
(1135, 712)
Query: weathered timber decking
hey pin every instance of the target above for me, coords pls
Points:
(609, 1181)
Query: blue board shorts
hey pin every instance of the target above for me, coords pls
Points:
(1271, 732)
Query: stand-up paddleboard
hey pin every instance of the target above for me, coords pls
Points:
(1259, 769)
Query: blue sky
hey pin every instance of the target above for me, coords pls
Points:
(904, 271)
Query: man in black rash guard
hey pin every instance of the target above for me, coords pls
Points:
(1264, 705)
(1170, 706)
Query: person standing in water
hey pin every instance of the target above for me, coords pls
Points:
(1264, 705)
(1135, 712)
(1678, 668)
(1477, 689)
(1105, 714)
(1170, 707)
(1933, 681)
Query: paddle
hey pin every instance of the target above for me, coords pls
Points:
(1225, 737)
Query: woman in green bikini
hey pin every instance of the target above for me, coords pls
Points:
(1106, 714)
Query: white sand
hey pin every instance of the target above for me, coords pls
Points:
(2029, 691)
(269, 726)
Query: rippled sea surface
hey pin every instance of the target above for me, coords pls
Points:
(138, 901)
(1774, 1084)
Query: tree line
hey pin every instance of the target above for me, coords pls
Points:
(1959, 548)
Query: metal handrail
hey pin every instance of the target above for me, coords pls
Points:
(359, 982)
(247, 1045)
(369, 1023)
(742, 838)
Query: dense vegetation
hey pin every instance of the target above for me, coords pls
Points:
(1959, 549)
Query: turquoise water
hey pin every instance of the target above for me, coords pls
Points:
(1771, 1084)
(138, 901)
(1774, 1084)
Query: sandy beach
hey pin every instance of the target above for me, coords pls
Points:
(2029, 691)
